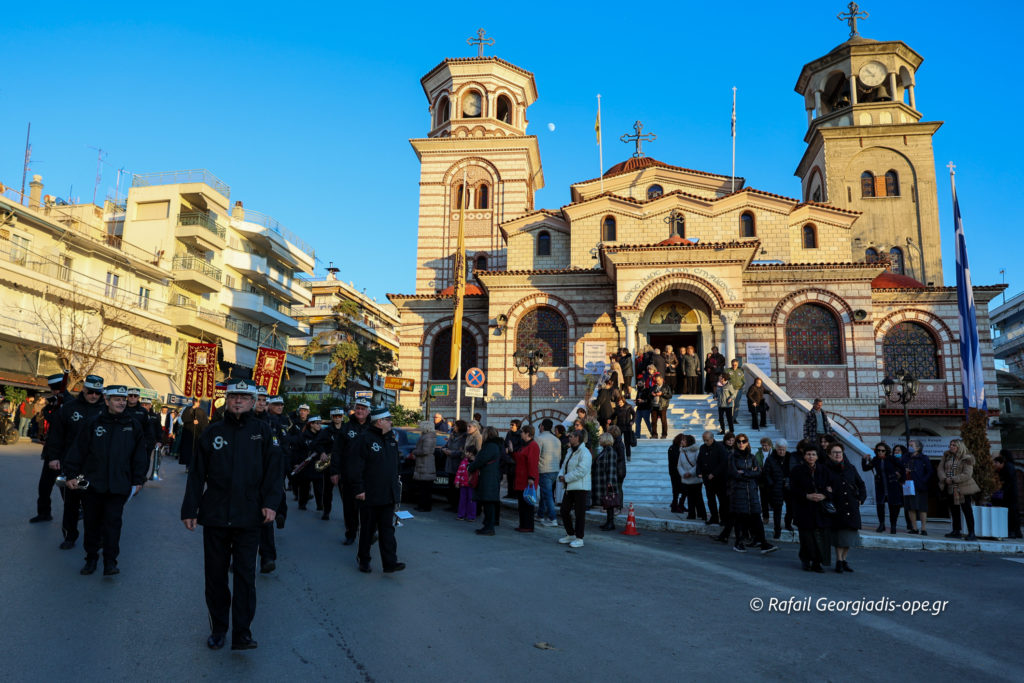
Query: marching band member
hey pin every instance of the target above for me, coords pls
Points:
(61, 397)
(303, 454)
(141, 412)
(357, 423)
(298, 419)
(281, 425)
(70, 419)
(110, 453)
(234, 488)
(268, 544)
(373, 471)
(260, 409)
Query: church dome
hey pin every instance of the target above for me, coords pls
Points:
(634, 164)
(674, 240)
(471, 290)
(889, 280)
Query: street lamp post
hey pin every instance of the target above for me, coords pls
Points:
(528, 361)
(901, 390)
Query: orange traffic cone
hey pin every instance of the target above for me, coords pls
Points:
(631, 523)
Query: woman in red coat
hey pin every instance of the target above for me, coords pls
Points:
(527, 458)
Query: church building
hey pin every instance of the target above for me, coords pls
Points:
(838, 288)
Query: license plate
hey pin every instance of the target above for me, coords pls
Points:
(441, 481)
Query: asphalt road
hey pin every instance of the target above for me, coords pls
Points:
(655, 608)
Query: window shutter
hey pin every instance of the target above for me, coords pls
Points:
(880, 186)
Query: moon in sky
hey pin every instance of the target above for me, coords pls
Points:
(551, 127)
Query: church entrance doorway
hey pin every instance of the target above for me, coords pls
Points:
(678, 341)
(678, 319)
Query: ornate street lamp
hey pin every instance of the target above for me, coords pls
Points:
(901, 390)
(528, 362)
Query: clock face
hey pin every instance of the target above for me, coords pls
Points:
(872, 74)
(471, 104)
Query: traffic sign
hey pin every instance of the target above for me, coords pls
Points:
(399, 383)
(475, 392)
(474, 378)
(363, 394)
(438, 389)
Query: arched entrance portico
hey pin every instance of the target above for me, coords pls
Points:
(677, 318)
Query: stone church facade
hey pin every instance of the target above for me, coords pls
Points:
(844, 284)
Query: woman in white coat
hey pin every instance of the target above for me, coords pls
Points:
(575, 477)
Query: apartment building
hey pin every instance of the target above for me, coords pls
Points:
(133, 283)
(376, 322)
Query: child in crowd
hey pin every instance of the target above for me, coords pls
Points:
(464, 483)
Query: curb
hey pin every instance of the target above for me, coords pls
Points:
(869, 540)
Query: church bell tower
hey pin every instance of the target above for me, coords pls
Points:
(476, 152)
(868, 150)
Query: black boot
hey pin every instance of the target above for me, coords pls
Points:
(839, 567)
(90, 566)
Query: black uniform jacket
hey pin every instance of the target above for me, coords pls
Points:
(236, 473)
(350, 431)
(713, 459)
(373, 467)
(71, 417)
(143, 417)
(110, 450)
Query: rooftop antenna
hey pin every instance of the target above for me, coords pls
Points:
(100, 156)
(28, 159)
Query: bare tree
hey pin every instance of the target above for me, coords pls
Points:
(82, 331)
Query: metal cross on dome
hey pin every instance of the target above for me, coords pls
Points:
(480, 41)
(638, 138)
(853, 13)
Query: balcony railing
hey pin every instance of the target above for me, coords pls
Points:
(201, 219)
(199, 175)
(198, 265)
(271, 223)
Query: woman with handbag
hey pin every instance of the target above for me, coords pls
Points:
(692, 500)
(956, 477)
(807, 481)
(889, 476)
(918, 472)
(609, 471)
(487, 463)
(744, 498)
(846, 491)
(527, 460)
(575, 479)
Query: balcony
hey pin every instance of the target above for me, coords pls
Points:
(267, 312)
(257, 268)
(200, 322)
(189, 177)
(275, 238)
(201, 231)
(196, 275)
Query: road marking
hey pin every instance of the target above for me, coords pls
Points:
(1014, 559)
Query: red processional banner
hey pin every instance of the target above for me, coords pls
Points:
(269, 366)
(200, 370)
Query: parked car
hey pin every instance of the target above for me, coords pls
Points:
(407, 437)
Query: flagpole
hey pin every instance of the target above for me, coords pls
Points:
(458, 294)
(600, 145)
(734, 138)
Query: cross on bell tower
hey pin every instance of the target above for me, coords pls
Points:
(638, 138)
(480, 41)
(853, 13)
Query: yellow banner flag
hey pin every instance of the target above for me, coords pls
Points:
(460, 284)
(597, 124)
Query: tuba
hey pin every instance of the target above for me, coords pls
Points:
(81, 482)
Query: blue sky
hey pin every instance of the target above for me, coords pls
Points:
(306, 110)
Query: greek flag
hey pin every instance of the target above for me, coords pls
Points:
(971, 376)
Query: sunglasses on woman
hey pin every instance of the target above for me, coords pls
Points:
(742, 441)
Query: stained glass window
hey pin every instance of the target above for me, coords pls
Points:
(910, 347)
(871, 255)
(544, 328)
(544, 243)
(441, 355)
(892, 184)
(896, 260)
(867, 184)
(608, 229)
(747, 225)
(810, 237)
(654, 191)
(812, 336)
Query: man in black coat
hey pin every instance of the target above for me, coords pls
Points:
(268, 543)
(63, 431)
(110, 453)
(357, 423)
(373, 470)
(194, 421)
(234, 487)
(713, 469)
(141, 413)
(48, 475)
(626, 363)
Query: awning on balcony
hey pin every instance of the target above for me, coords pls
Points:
(230, 351)
(235, 354)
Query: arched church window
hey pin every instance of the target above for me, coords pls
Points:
(911, 347)
(654, 191)
(483, 196)
(480, 263)
(441, 353)
(545, 329)
(812, 336)
(870, 255)
(810, 236)
(472, 105)
(444, 109)
(747, 225)
(679, 225)
(896, 260)
(503, 110)
(460, 191)
(608, 229)
(867, 184)
(543, 243)
(892, 184)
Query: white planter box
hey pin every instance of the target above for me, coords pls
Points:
(990, 522)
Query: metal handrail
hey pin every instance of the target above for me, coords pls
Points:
(197, 175)
(262, 219)
(198, 265)
(202, 219)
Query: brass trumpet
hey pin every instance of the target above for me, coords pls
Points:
(81, 483)
(322, 465)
